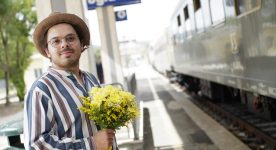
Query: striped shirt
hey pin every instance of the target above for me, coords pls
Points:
(52, 119)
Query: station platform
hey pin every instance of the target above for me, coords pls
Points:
(169, 120)
(173, 122)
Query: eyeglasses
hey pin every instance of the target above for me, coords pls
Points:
(56, 42)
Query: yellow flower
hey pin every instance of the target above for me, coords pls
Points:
(110, 107)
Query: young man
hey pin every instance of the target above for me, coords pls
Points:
(52, 119)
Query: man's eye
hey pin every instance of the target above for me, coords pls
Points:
(70, 38)
(56, 41)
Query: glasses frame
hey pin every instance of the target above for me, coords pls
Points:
(65, 38)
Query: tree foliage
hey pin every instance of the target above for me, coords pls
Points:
(17, 19)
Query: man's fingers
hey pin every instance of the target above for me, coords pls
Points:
(110, 131)
(110, 141)
(104, 138)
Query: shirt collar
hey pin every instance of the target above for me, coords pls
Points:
(63, 72)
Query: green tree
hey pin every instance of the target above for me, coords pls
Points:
(17, 19)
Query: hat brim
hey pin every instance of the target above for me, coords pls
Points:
(57, 18)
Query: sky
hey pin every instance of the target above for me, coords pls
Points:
(146, 20)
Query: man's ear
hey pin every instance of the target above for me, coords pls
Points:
(47, 52)
(84, 48)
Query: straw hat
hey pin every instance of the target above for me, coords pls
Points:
(57, 18)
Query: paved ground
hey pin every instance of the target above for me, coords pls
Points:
(173, 122)
(9, 113)
(167, 125)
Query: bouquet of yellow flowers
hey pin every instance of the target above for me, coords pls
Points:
(110, 107)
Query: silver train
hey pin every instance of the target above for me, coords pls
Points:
(224, 49)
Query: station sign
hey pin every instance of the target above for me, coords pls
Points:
(93, 4)
(121, 15)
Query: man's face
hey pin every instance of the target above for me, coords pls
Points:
(63, 46)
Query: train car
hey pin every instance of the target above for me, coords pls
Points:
(226, 50)
(161, 53)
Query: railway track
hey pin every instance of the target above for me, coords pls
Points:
(256, 132)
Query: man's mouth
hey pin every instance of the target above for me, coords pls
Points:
(67, 53)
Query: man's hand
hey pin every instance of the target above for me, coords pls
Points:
(103, 139)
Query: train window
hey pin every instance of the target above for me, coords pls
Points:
(196, 5)
(186, 12)
(188, 25)
(244, 7)
(217, 11)
(198, 16)
(178, 20)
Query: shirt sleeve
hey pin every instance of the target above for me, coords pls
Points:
(39, 126)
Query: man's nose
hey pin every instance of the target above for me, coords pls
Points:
(64, 43)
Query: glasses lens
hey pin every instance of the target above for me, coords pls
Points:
(56, 42)
(71, 38)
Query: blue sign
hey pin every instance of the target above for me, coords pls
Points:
(92, 4)
(121, 15)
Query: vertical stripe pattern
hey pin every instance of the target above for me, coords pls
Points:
(52, 119)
